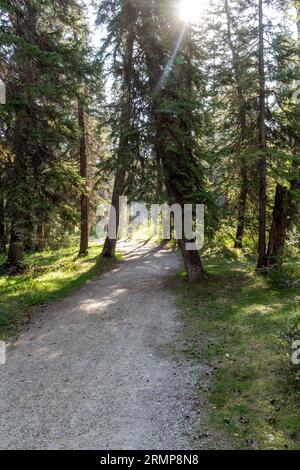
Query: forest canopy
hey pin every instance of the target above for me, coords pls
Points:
(165, 104)
(170, 102)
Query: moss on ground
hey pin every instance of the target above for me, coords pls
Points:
(243, 325)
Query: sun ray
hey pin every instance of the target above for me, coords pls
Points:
(171, 61)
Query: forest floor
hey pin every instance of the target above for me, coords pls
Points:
(51, 276)
(243, 326)
(103, 368)
(139, 358)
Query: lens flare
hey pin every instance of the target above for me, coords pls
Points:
(191, 10)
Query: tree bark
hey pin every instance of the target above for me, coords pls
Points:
(7, 232)
(191, 258)
(2, 228)
(29, 238)
(242, 208)
(39, 238)
(124, 150)
(171, 162)
(279, 226)
(285, 211)
(47, 229)
(110, 244)
(192, 262)
(295, 180)
(25, 22)
(84, 201)
(15, 263)
(262, 199)
(243, 132)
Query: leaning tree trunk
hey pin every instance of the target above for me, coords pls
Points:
(172, 163)
(172, 166)
(2, 228)
(84, 201)
(191, 258)
(192, 262)
(279, 226)
(262, 172)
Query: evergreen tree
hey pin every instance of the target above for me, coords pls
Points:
(44, 63)
(120, 20)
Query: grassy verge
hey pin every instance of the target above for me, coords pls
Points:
(243, 325)
(52, 276)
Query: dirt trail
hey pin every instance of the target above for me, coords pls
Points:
(98, 371)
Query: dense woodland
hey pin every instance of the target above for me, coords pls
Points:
(161, 109)
(164, 102)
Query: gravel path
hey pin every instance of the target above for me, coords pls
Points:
(98, 370)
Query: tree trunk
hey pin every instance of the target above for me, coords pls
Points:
(173, 166)
(295, 180)
(262, 200)
(7, 232)
(15, 263)
(191, 258)
(29, 241)
(39, 238)
(293, 209)
(243, 131)
(124, 150)
(110, 244)
(242, 208)
(279, 226)
(25, 24)
(2, 228)
(84, 202)
(285, 211)
(192, 262)
(47, 230)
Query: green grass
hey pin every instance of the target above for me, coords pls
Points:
(52, 275)
(243, 326)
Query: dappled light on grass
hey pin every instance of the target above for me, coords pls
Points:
(243, 326)
(52, 276)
